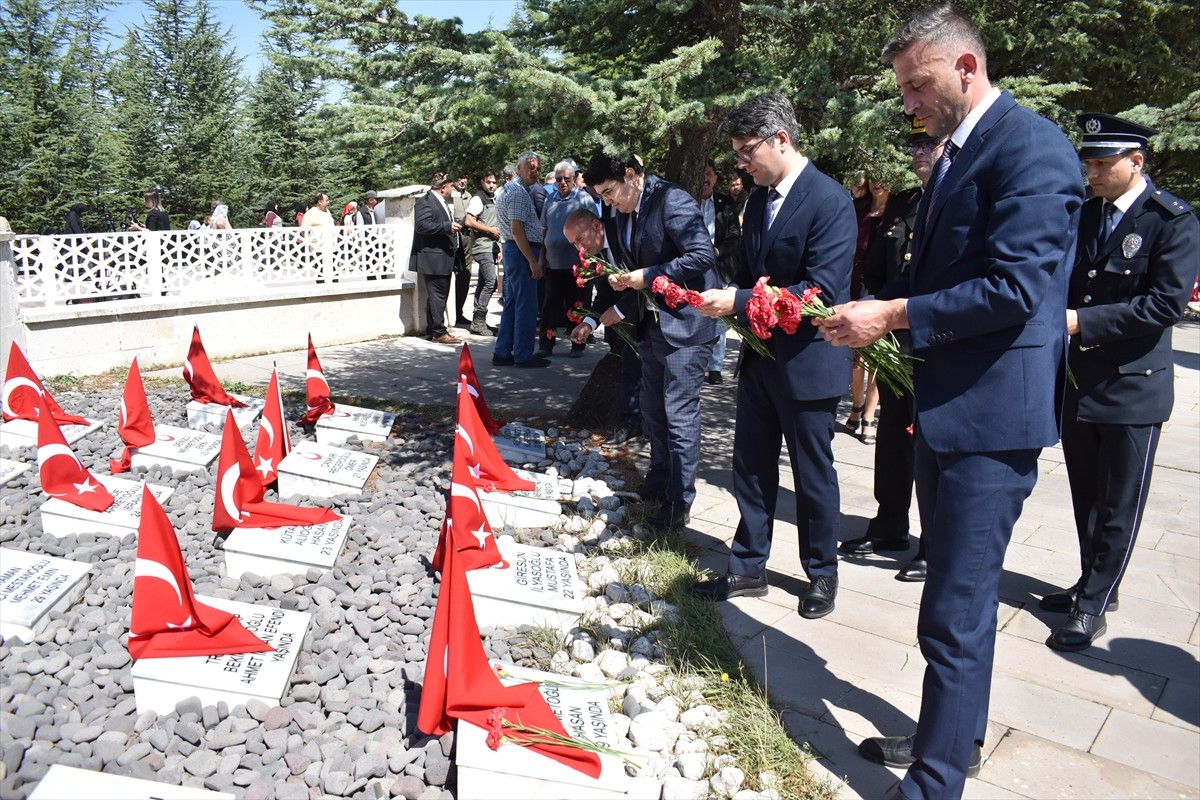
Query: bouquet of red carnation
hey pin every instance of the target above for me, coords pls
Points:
(675, 296)
(591, 267)
(771, 306)
(578, 312)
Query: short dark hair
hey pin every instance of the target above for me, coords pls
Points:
(438, 180)
(763, 116)
(491, 173)
(938, 26)
(610, 167)
(317, 197)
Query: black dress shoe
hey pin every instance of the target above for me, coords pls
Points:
(818, 600)
(623, 434)
(671, 515)
(728, 586)
(714, 377)
(912, 572)
(503, 361)
(1064, 601)
(649, 494)
(896, 751)
(1078, 632)
(866, 545)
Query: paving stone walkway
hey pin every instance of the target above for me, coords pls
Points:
(1119, 720)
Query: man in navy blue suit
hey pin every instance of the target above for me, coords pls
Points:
(657, 231)
(799, 230)
(984, 299)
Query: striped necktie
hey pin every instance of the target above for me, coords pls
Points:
(773, 198)
(939, 174)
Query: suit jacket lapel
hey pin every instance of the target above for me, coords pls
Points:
(756, 209)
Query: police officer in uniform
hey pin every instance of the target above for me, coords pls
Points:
(1137, 256)
(886, 260)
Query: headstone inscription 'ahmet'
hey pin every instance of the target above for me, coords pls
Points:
(513, 772)
(60, 518)
(70, 782)
(35, 586)
(181, 449)
(319, 470)
(160, 683)
(519, 444)
(346, 421)
(530, 586)
(292, 550)
(201, 414)
(24, 432)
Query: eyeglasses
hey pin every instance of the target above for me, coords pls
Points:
(606, 195)
(926, 147)
(745, 153)
(563, 179)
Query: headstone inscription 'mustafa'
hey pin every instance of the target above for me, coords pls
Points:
(60, 518)
(530, 586)
(160, 683)
(292, 550)
(33, 587)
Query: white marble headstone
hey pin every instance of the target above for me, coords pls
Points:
(519, 510)
(62, 782)
(201, 414)
(292, 550)
(10, 469)
(60, 518)
(181, 449)
(530, 586)
(320, 470)
(519, 444)
(32, 586)
(513, 772)
(24, 432)
(160, 683)
(346, 421)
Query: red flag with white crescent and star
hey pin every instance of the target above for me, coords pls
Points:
(167, 620)
(22, 390)
(459, 683)
(274, 442)
(466, 372)
(61, 474)
(466, 527)
(198, 372)
(487, 466)
(135, 425)
(316, 389)
(239, 502)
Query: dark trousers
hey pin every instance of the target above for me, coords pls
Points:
(1109, 468)
(631, 379)
(893, 465)
(561, 294)
(486, 285)
(766, 420)
(462, 283)
(437, 289)
(670, 399)
(969, 503)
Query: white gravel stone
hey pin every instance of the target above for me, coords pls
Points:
(727, 780)
(649, 730)
(692, 765)
(683, 789)
(611, 662)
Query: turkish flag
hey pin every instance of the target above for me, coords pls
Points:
(167, 620)
(274, 442)
(61, 473)
(466, 372)
(316, 388)
(487, 466)
(134, 423)
(239, 502)
(466, 527)
(198, 372)
(22, 390)
(459, 682)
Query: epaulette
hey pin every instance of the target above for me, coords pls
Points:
(1174, 206)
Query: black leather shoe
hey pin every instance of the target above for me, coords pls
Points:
(896, 751)
(503, 361)
(1078, 632)
(623, 434)
(649, 494)
(912, 572)
(866, 545)
(714, 377)
(728, 586)
(818, 600)
(1064, 601)
(671, 515)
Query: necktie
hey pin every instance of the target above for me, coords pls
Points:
(632, 232)
(1105, 227)
(773, 198)
(939, 174)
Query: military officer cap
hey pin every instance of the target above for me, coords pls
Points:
(918, 134)
(1105, 135)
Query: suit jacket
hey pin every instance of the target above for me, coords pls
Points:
(671, 240)
(811, 243)
(987, 287)
(1128, 295)
(433, 243)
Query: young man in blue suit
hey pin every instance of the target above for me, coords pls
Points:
(1137, 257)
(657, 230)
(983, 298)
(800, 231)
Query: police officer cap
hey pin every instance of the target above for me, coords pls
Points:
(918, 134)
(1105, 135)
